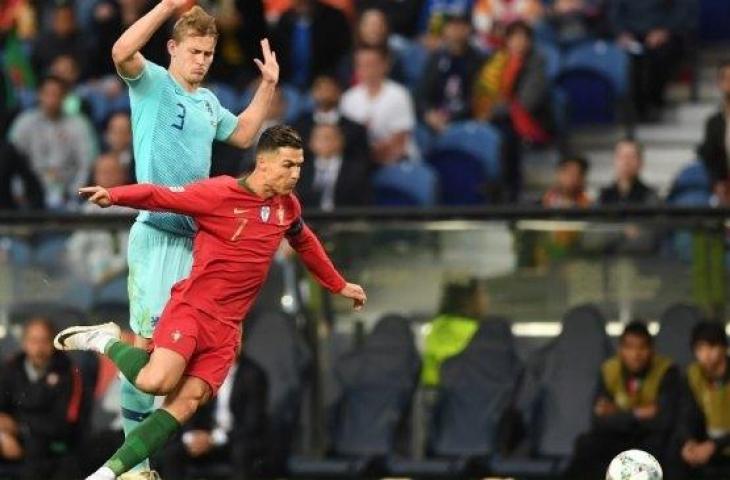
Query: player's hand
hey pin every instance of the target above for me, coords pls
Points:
(269, 67)
(98, 195)
(356, 293)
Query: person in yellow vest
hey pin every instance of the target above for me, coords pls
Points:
(463, 304)
(635, 406)
(703, 432)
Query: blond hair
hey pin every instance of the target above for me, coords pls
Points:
(195, 22)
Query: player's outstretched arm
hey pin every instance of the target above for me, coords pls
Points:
(195, 199)
(125, 52)
(315, 258)
(251, 119)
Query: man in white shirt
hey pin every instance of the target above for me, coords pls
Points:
(383, 106)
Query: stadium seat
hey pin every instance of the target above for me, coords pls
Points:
(271, 340)
(591, 98)
(413, 58)
(691, 187)
(467, 158)
(675, 331)
(601, 57)
(556, 396)
(405, 184)
(113, 290)
(477, 388)
(227, 96)
(377, 382)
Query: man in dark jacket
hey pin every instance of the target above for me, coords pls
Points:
(713, 150)
(703, 432)
(634, 408)
(231, 428)
(40, 403)
(446, 86)
(335, 176)
(628, 188)
(311, 38)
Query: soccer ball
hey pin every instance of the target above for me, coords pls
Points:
(634, 465)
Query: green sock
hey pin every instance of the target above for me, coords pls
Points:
(143, 441)
(128, 359)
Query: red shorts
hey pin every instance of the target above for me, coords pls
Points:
(208, 345)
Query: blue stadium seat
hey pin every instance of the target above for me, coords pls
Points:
(413, 58)
(477, 388)
(591, 97)
(405, 184)
(691, 187)
(479, 139)
(377, 382)
(556, 396)
(602, 57)
(112, 290)
(675, 331)
(227, 95)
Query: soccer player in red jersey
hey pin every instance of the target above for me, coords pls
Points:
(241, 223)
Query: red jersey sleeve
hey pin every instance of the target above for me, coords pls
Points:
(194, 199)
(315, 258)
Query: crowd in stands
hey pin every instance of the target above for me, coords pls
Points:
(390, 78)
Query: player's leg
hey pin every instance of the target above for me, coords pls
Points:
(152, 433)
(157, 260)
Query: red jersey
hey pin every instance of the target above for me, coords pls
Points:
(238, 235)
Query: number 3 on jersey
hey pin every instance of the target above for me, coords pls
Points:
(180, 117)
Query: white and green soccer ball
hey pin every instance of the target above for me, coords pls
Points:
(634, 465)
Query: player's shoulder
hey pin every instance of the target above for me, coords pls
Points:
(293, 200)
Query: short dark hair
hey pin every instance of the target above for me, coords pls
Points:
(277, 137)
(43, 322)
(55, 79)
(578, 160)
(519, 26)
(637, 328)
(710, 332)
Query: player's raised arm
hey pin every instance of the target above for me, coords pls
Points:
(251, 119)
(315, 258)
(195, 199)
(125, 52)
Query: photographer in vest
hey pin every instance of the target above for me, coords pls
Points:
(703, 432)
(634, 406)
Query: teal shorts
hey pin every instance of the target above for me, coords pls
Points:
(157, 261)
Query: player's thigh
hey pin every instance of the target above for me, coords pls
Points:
(157, 260)
(189, 395)
(163, 372)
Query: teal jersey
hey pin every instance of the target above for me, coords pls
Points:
(173, 132)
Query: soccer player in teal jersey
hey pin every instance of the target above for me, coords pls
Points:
(174, 124)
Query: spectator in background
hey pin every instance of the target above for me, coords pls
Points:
(15, 170)
(491, 17)
(635, 406)
(512, 91)
(40, 402)
(64, 38)
(446, 86)
(400, 13)
(571, 21)
(66, 68)
(231, 427)
(242, 26)
(652, 31)
(334, 176)
(118, 141)
(327, 93)
(570, 184)
(60, 147)
(371, 30)
(99, 255)
(311, 39)
(463, 304)
(714, 150)
(383, 106)
(703, 432)
(628, 188)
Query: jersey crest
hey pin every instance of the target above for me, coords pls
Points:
(265, 213)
